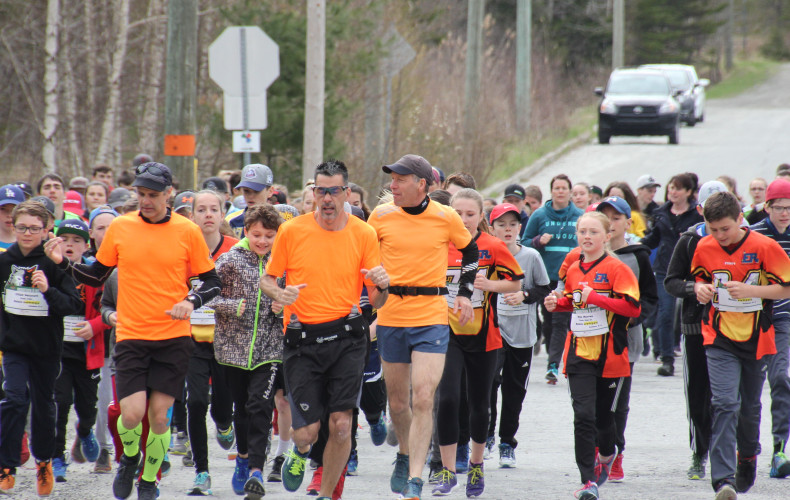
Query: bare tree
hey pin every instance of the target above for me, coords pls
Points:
(51, 86)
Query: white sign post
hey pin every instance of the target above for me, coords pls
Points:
(244, 62)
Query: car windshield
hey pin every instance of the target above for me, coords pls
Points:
(678, 78)
(638, 84)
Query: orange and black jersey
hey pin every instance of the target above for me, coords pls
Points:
(597, 342)
(495, 263)
(740, 326)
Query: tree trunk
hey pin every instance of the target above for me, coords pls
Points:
(108, 138)
(71, 106)
(48, 150)
(151, 86)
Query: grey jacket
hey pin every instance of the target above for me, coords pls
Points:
(256, 337)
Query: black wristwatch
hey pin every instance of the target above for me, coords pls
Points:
(194, 300)
(526, 294)
(382, 290)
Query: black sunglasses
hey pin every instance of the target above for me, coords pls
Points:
(151, 168)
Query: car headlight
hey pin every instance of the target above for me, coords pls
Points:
(608, 107)
(668, 107)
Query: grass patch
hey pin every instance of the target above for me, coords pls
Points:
(520, 154)
(744, 75)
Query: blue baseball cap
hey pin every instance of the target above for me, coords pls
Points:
(104, 209)
(617, 203)
(11, 195)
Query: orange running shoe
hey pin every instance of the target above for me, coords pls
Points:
(44, 478)
(6, 481)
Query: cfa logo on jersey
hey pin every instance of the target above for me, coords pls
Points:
(750, 258)
(601, 278)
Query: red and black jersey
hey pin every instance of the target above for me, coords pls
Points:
(616, 294)
(495, 263)
(740, 326)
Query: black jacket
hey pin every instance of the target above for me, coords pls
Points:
(637, 257)
(40, 336)
(666, 231)
(680, 283)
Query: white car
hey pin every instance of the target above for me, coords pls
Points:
(683, 77)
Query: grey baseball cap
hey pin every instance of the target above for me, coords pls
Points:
(708, 189)
(411, 164)
(256, 177)
(647, 180)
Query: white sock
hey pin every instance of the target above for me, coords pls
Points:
(283, 446)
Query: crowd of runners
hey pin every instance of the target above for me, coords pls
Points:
(146, 309)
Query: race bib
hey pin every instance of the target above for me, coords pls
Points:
(725, 302)
(25, 301)
(202, 316)
(589, 322)
(70, 326)
(505, 309)
(452, 288)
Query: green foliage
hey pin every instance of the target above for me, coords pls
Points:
(580, 33)
(671, 31)
(347, 61)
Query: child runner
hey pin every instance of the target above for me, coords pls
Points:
(207, 212)
(36, 297)
(736, 270)
(517, 313)
(248, 341)
(81, 361)
(603, 295)
(10, 197)
(473, 346)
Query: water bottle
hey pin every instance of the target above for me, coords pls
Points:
(293, 332)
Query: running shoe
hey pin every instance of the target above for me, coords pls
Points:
(745, 473)
(180, 443)
(59, 467)
(392, 437)
(475, 480)
(446, 484)
(616, 473)
(90, 447)
(147, 490)
(780, 465)
(462, 458)
(602, 469)
(353, 463)
(697, 469)
(254, 486)
(240, 475)
(6, 481)
(507, 456)
(123, 484)
(667, 368)
(76, 452)
(103, 462)
(587, 492)
(434, 469)
(725, 491)
(164, 467)
(489, 449)
(44, 479)
(202, 485)
(226, 437)
(400, 474)
(552, 374)
(314, 488)
(413, 489)
(187, 460)
(341, 481)
(277, 467)
(293, 469)
(378, 432)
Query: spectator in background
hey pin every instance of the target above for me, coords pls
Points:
(357, 195)
(220, 186)
(103, 173)
(74, 203)
(96, 195)
(118, 197)
(125, 179)
(78, 184)
(581, 195)
(533, 197)
(646, 187)
(459, 180)
(755, 212)
(51, 186)
(596, 194)
(308, 200)
(516, 195)
(438, 179)
(623, 190)
(732, 186)
(783, 170)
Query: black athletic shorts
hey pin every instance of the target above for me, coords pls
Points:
(323, 378)
(159, 365)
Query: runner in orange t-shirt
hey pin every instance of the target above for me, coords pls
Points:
(325, 347)
(156, 251)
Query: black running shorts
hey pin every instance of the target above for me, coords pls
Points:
(158, 365)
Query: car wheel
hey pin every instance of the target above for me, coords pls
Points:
(603, 137)
(701, 118)
(674, 136)
(691, 121)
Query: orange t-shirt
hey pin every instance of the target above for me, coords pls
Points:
(154, 262)
(329, 262)
(414, 251)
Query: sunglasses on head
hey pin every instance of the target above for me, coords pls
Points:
(151, 168)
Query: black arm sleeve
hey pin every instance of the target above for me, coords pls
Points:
(648, 294)
(94, 274)
(536, 294)
(469, 258)
(210, 287)
(679, 282)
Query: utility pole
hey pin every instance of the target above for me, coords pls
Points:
(474, 61)
(181, 89)
(523, 64)
(313, 150)
(618, 34)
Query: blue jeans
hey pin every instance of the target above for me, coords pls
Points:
(665, 333)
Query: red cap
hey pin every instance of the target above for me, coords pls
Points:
(73, 203)
(592, 207)
(778, 188)
(503, 208)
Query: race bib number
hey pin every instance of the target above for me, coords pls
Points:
(589, 322)
(70, 326)
(725, 302)
(25, 301)
(453, 276)
(202, 316)
(505, 309)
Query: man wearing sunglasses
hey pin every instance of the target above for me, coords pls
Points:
(256, 187)
(156, 251)
(324, 355)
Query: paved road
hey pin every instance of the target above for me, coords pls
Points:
(744, 137)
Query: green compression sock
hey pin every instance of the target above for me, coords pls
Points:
(155, 450)
(130, 438)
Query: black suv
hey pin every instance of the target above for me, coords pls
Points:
(638, 102)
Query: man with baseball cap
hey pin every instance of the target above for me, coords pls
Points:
(646, 187)
(156, 251)
(414, 234)
(10, 197)
(218, 185)
(516, 196)
(256, 187)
